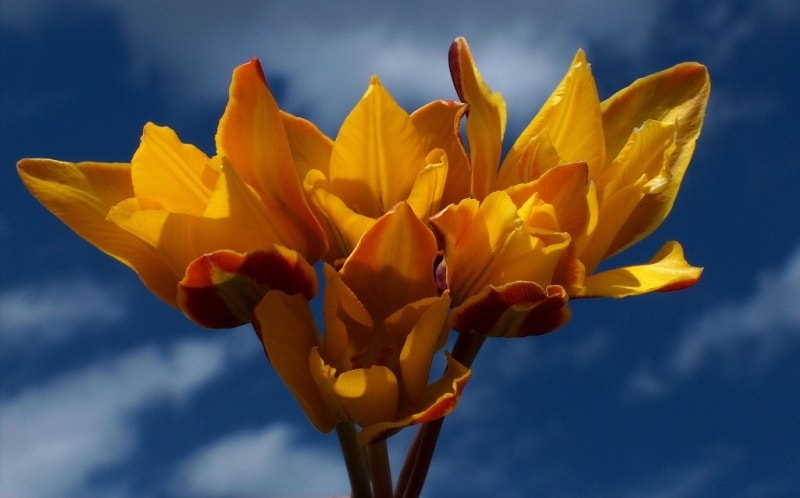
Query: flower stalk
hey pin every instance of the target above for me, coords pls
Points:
(355, 460)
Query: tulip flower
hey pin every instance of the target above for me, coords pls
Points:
(635, 146)
(382, 156)
(209, 235)
(383, 320)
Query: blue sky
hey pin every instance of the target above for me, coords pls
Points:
(106, 391)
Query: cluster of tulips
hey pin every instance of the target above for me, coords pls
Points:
(417, 231)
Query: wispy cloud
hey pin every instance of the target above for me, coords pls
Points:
(56, 434)
(46, 313)
(271, 461)
(329, 52)
(751, 333)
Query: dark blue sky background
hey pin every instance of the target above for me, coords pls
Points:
(108, 391)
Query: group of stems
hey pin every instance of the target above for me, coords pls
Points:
(368, 466)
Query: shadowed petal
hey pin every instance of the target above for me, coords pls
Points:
(222, 288)
(517, 309)
(286, 328)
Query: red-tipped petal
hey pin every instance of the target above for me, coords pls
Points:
(220, 289)
(517, 309)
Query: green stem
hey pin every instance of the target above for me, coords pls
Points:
(415, 469)
(379, 469)
(355, 460)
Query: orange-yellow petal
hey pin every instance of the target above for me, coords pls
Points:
(81, 195)
(532, 161)
(222, 288)
(426, 194)
(486, 120)
(368, 395)
(397, 253)
(285, 325)
(438, 400)
(667, 271)
(427, 336)
(252, 136)
(311, 149)
(438, 125)
(676, 95)
(572, 119)
(377, 155)
(168, 174)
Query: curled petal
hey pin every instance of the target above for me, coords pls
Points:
(517, 309)
(438, 400)
(285, 325)
(438, 125)
(667, 271)
(311, 149)
(426, 194)
(486, 122)
(221, 289)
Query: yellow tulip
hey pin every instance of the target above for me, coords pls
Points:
(173, 208)
(383, 156)
(384, 320)
(635, 146)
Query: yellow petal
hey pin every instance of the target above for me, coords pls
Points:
(426, 337)
(343, 226)
(438, 400)
(369, 395)
(667, 271)
(286, 328)
(426, 194)
(534, 159)
(438, 126)
(377, 154)
(397, 253)
(486, 119)
(645, 160)
(676, 95)
(81, 196)
(564, 187)
(571, 118)
(171, 175)
(487, 244)
(311, 149)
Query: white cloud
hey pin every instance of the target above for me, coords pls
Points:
(36, 314)
(55, 435)
(266, 462)
(751, 333)
(328, 50)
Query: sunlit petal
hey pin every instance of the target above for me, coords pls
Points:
(667, 271)
(487, 118)
(572, 119)
(80, 195)
(426, 337)
(369, 395)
